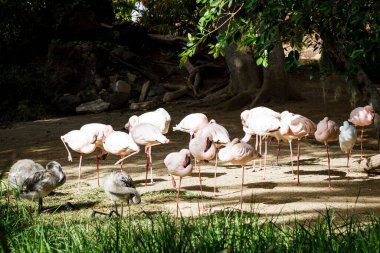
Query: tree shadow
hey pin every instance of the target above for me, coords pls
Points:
(264, 185)
(303, 162)
(208, 174)
(142, 181)
(205, 188)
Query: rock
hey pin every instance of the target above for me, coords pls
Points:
(93, 107)
(131, 77)
(116, 100)
(67, 103)
(125, 54)
(144, 91)
(121, 87)
(88, 95)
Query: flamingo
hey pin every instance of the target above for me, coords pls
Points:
(327, 131)
(192, 123)
(263, 122)
(81, 142)
(362, 116)
(179, 164)
(101, 131)
(202, 148)
(220, 137)
(148, 135)
(35, 182)
(121, 144)
(240, 153)
(347, 139)
(119, 186)
(159, 118)
(295, 126)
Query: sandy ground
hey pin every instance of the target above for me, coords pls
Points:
(275, 195)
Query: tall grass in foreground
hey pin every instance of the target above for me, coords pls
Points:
(226, 231)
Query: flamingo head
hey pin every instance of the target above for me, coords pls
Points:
(133, 121)
(244, 116)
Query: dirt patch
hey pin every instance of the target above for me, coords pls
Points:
(276, 195)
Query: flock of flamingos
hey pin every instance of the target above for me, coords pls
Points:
(208, 140)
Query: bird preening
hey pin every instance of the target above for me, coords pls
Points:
(208, 140)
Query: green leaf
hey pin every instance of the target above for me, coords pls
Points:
(259, 61)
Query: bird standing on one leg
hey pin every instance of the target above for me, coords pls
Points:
(179, 164)
(362, 116)
(240, 153)
(327, 131)
(347, 139)
(192, 123)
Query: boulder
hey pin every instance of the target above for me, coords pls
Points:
(116, 100)
(67, 103)
(121, 87)
(93, 106)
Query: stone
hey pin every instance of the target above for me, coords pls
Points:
(116, 100)
(88, 95)
(121, 87)
(67, 103)
(147, 105)
(131, 77)
(93, 106)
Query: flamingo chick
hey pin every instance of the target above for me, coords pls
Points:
(120, 144)
(148, 135)
(101, 131)
(159, 118)
(119, 186)
(362, 116)
(192, 123)
(240, 153)
(81, 142)
(35, 182)
(327, 131)
(179, 164)
(347, 139)
(202, 148)
(295, 126)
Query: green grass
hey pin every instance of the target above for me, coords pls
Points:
(26, 231)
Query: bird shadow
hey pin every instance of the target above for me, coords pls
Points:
(304, 162)
(204, 188)
(320, 172)
(264, 185)
(270, 201)
(85, 205)
(208, 174)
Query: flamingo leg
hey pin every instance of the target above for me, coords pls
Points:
(260, 141)
(151, 165)
(241, 189)
(361, 144)
(69, 157)
(80, 168)
(121, 166)
(173, 182)
(256, 146)
(179, 190)
(298, 162)
(291, 157)
(121, 209)
(97, 163)
(328, 163)
(147, 165)
(200, 184)
(265, 157)
(278, 151)
(216, 166)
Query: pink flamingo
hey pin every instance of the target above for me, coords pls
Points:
(192, 123)
(101, 131)
(362, 116)
(148, 135)
(202, 148)
(120, 144)
(159, 118)
(347, 139)
(179, 164)
(81, 142)
(263, 122)
(327, 131)
(220, 137)
(240, 153)
(295, 126)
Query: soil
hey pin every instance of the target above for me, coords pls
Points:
(270, 192)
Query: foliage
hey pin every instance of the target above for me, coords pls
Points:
(350, 29)
(228, 230)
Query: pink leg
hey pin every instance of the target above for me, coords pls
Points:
(173, 182)
(260, 152)
(179, 190)
(241, 189)
(361, 144)
(278, 151)
(147, 165)
(328, 163)
(80, 168)
(216, 166)
(121, 166)
(97, 163)
(298, 162)
(265, 157)
(291, 157)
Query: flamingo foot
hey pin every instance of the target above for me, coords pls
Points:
(69, 158)
(330, 188)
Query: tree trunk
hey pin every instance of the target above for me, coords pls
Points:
(369, 164)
